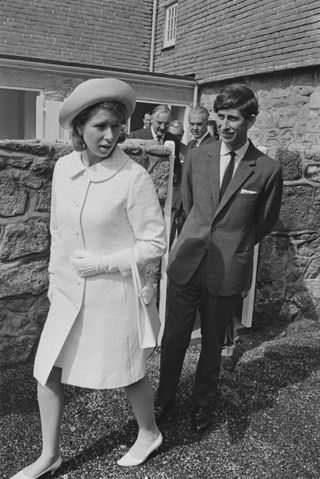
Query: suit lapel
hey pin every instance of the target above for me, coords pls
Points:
(214, 172)
(245, 169)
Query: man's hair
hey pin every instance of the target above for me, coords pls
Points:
(161, 109)
(147, 113)
(199, 109)
(239, 97)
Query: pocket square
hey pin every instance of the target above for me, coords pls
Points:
(248, 192)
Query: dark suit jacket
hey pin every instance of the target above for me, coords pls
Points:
(146, 134)
(206, 141)
(228, 230)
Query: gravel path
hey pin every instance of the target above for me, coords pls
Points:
(267, 425)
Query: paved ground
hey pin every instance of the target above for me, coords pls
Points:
(267, 425)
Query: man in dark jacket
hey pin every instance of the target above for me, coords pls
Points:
(231, 194)
(158, 131)
(198, 122)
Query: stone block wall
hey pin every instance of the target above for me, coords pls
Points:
(26, 169)
(288, 280)
(289, 113)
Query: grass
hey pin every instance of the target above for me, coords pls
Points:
(267, 425)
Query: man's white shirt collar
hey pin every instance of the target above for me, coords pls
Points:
(225, 157)
(239, 153)
(199, 140)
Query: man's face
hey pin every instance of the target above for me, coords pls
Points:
(147, 120)
(160, 123)
(233, 127)
(198, 124)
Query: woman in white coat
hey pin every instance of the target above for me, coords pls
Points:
(104, 207)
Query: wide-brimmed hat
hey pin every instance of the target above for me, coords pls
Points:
(94, 91)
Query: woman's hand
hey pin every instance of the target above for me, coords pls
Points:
(147, 293)
(87, 264)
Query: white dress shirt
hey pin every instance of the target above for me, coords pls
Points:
(225, 157)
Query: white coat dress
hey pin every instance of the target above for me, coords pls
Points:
(91, 328)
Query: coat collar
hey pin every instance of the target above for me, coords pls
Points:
(102, 171)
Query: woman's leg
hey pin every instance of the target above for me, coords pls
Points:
(51, 403)
(141, 398)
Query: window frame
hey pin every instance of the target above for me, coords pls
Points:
(171, 20)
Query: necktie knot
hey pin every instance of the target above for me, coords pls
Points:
(232, 155)
(227, 177)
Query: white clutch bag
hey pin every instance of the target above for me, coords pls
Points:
(147, 314)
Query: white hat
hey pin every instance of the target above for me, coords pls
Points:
(95, 91)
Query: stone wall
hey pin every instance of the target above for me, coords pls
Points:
(289, 102)
(288, 280)
(25, 190)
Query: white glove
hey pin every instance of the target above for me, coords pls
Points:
(147, 293)
(87, 264)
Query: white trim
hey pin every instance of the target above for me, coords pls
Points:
(164, 261)
(40, 105)
(153, 35)
(142, 78)
(248, 302)
(19, 88)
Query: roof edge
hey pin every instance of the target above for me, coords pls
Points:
(14, 61)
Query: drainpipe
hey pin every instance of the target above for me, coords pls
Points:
(195, 94)
(153, 34)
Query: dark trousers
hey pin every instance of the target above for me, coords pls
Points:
(216, 312)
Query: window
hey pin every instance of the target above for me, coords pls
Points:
(171, 25)
(17, 114)
(26, 114)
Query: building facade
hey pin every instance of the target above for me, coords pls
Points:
(271, 45)
(47, 48)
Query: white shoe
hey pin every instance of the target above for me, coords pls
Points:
(128, 460)
(54, 466)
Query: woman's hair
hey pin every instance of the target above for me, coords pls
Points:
(115, 107)
(239, 97)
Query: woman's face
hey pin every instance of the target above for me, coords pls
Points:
(100, 133)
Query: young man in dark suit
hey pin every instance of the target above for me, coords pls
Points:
(158, 131)
(231, 195)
